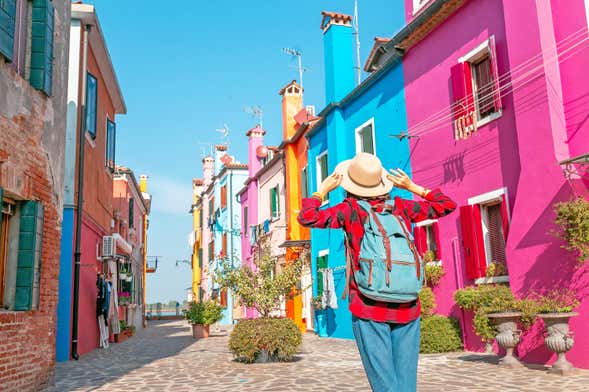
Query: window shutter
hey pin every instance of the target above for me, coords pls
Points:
(273, 201)
(29, 253)
(224, 244)
(304, 183)
(277, 196)
(7, 25)
(472, 241)
(42, 45)
(495, 73)
(223, 298)
(436, 231)
(504, 216)
(367, 142)
(463, 111)
(496, 237)
(321, 263)
(420, 238)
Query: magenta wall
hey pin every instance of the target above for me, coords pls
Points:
(519, 151)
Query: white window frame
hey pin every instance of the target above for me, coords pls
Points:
(323, 252)
(359, 138)
(488, 198)
(471, 57)
(424, 223)
(418, 5)
(318, 179)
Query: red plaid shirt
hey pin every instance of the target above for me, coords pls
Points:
(349, 216)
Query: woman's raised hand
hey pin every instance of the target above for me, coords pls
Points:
(400, 179)
(330, 183)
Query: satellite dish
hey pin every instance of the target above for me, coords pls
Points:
(261, 152)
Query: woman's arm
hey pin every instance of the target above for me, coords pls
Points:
(334, 217)
(435, 205)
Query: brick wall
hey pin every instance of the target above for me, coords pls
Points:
(32, 139)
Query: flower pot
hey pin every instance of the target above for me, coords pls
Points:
(321, 316)
(120, 337)
(508, 336)
(558, 339)
(200, 331)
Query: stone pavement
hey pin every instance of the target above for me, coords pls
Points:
(164, 357)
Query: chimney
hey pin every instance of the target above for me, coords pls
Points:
(338, 45)
(292, 103)
(143, 183)
(220, 151)
(208, 170)
(255, 145)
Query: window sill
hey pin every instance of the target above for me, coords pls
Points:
(90, 139)
(492, 279)
(490, 118)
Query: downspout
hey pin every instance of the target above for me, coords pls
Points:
(80, 200)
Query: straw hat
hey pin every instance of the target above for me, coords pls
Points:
(364, 176)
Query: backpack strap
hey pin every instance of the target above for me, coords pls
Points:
(411, 246)
(348, 258)
(387, 244)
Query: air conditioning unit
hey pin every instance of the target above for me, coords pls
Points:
(109, 246)
(310, 110)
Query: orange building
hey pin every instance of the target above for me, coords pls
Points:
(296, 120)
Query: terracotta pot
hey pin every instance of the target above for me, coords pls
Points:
(558, 339)
(200, 331)
(120, 337)
(508, 335)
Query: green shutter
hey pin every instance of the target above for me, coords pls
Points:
(321, 263)
(323, 163)
(29, 252)
(42, 45)
(367, 142)
(273, 201)
(7, 23)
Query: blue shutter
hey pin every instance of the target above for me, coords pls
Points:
(91, 104)
(29, 252)
(42, 45)
(7, 22)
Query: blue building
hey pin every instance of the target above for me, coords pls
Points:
(226, 221)
(355, 119)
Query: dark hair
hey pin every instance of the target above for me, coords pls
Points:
(384, 197)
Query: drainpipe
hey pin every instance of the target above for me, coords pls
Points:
(80, 200)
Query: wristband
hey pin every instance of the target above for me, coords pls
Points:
(318, 195)
(424, 193)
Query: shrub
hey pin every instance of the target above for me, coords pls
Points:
(279, 337)
(496, 268)
(433, 274)
(204, 313)
(440, 334)
(572, 218)
(428, 301)
(556, 301)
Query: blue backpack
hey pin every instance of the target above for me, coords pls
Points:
(391, 269)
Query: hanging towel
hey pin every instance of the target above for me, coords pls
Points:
(266, 226)
(329, 289)
(103, 332)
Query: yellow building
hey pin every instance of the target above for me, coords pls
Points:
(196, 239)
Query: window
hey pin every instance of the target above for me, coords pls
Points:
(21, 36)
(199, 212)
(224, 244)
(275, 202)
(42, 25)
(427, 239)
(91, 104)
(304, 183)
(223, 196)
(211, 250)
(131, 212)
(322, 171)
(8, 209)
(475, 90)
(245, 222)
(485, 226)
(110, 144)
(365, 137)
(211, 206)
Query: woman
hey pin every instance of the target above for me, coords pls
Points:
(387, 333)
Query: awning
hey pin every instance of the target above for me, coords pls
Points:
(295, 244)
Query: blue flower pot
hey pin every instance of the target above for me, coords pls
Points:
(321, 328)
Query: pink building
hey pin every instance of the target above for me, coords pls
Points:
(496, 97)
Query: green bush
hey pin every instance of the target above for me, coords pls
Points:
(279, 337)
(572, 219)
(204, 313)
(428, 301)
(433, 274)
(440, 334)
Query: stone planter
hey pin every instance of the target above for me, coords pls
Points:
(558, 339)
(200, 331)
(508, 336)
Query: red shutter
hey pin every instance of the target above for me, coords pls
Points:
(463, 105)
(420, 239)
(504, 216)
(495, 73)
(436, 230)
(472, 241)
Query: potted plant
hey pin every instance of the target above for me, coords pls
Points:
(126, 332)
(496, 268)
(555, 309)
(320, 316)
(201, 315)
(572, 219)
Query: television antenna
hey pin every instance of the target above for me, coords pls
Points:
(224, 133)
(256, 112)
(203, 149)
(357, 34)
(299, 55)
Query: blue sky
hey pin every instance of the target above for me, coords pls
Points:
(189, 67)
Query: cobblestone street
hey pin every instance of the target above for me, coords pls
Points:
(164, 357)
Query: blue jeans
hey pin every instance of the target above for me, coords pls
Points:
(389, 353)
